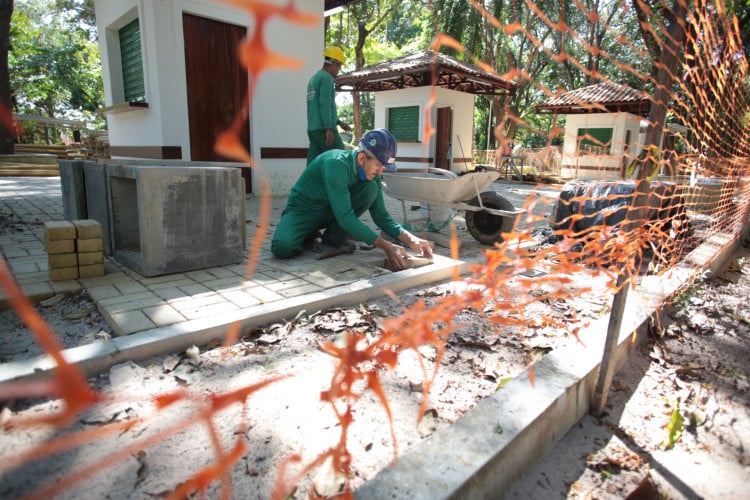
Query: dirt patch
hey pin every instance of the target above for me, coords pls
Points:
(73, 317)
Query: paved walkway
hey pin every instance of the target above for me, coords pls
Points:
(134, 303)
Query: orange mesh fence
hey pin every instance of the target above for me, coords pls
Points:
(647, 203)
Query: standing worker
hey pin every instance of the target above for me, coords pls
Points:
(322, 116)
(334, 191)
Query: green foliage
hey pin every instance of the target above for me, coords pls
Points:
(691, 290)
(54, 60)
(411, 26)
(546, 46)
(735, 372)
(674, 429)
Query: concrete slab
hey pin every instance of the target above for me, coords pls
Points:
(73, 189)
(172, 219)
(97, 200)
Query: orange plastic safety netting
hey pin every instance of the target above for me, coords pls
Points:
(663, 175)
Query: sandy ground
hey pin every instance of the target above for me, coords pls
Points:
(696, 365)
(694, 370)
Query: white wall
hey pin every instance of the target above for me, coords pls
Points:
(278, 110)
(279, 116)
(462, 105)
(603, 167)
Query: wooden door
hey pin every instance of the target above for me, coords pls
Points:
(443, 138)
(216, 85)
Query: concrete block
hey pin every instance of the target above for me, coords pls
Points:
(60, 246)
(88, 258)
(91, 271)
(97, 199)
(167, 220)
(59, 230)
(62, 260)
(63, 274)
(87, 229)
(73, 189)
(90, 245)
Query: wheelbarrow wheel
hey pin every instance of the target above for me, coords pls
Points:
(485, 227)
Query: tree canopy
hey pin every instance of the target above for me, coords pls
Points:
(53, 61)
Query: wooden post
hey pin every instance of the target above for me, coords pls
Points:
(607, 367)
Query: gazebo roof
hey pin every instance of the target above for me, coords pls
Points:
(416, 70)
(605, 97)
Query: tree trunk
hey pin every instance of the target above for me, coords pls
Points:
(7, 124)
(670, 56)
(357, 111)
(359, 63)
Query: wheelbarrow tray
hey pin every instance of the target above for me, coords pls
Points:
(489, 214)
(438, 189)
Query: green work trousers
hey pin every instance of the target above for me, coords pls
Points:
(318, 143)
(298, 221)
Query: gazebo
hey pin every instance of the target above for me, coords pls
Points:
(404, 92)
(602, 128)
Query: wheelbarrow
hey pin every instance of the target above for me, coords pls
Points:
(488, 213)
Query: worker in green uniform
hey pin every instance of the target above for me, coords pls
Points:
(334, 191)
(322, 115)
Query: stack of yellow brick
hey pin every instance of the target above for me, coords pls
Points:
(75, 249)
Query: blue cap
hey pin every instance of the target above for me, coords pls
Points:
(381, 144)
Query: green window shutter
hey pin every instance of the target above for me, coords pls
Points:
(132, 62)
(403, 123)
(598, 140)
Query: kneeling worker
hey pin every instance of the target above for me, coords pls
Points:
(334, 191)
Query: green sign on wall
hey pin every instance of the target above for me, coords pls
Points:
(594, 139)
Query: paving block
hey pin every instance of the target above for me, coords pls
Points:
(91, 270)
(88, 229)
(128, 322)
(59, 230)
(63, 274)
(88, 258)
(60, 246)
(62, 260)
(163, 315)
(90, 245)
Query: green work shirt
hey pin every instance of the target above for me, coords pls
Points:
(326, 182)
(321, 102)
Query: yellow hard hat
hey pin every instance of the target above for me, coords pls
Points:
(335, 53)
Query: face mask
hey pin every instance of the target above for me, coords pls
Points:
(361, 174)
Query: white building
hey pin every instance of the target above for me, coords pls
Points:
(173, 80)
(602, 129)
(427, 86)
